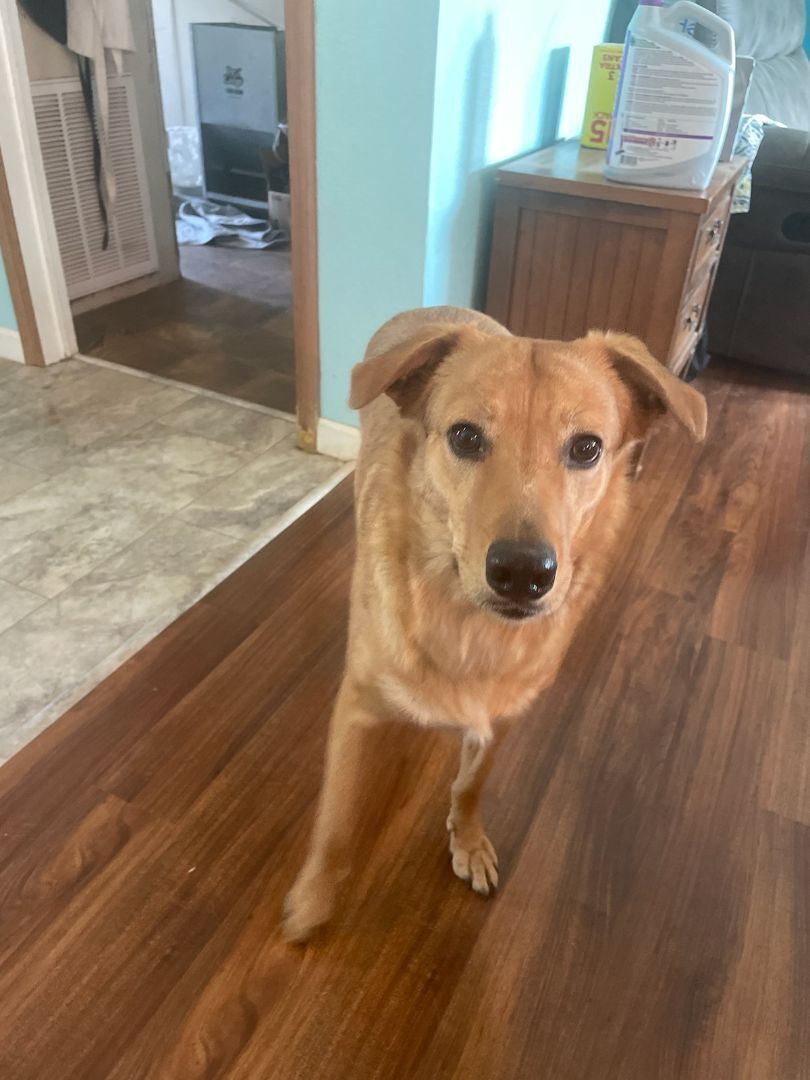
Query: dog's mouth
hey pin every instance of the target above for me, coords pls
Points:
(514, 612)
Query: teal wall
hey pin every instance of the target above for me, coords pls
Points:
(7, 318)
(375, 71)
(417, 105)
(511, 77)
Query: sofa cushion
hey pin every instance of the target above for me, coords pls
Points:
(780, 89)
(764, 28)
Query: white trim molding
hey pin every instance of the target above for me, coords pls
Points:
(28, 190)
(341, 441)
(11, 345)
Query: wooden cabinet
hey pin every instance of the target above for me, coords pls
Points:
(572, 252)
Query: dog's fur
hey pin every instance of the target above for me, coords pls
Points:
(425, 640)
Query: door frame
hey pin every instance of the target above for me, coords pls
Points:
(299, 35)
(24, 343)
(28, 232)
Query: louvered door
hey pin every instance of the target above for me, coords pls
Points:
(65, 138)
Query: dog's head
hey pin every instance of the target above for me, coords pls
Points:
(520, 441)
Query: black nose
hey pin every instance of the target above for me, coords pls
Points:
(521, 571)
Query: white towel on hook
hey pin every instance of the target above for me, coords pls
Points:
(96, 28)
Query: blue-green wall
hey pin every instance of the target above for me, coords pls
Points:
(375, 71)
(7, 318)
(511, 77)
(417, 104)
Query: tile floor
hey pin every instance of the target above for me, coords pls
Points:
(122, 500)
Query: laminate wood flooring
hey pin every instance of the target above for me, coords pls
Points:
(651, 812)
(225, 325)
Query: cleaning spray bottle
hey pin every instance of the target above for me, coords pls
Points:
(674, 97)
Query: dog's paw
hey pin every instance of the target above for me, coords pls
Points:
(473, 856)
(309, 904)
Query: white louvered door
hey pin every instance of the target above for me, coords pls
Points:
(66, 141)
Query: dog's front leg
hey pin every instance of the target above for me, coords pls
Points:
(311, 900)
(474, 858)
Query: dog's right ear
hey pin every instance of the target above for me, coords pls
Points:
(405, 370)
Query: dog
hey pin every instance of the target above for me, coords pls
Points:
(490, 489)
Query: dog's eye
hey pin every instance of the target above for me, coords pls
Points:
(584, 451)
(466, 440)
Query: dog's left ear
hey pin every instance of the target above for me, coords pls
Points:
(405, 370)
(655, 389)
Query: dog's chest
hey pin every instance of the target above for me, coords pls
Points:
(471, 677)
(431, 697)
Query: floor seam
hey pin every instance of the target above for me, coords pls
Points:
(137, 373)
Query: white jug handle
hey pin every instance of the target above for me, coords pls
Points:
(725, 34)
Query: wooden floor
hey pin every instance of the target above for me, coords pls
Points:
(225, 325)
(652, 815)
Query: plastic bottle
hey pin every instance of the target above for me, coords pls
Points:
(674, 97)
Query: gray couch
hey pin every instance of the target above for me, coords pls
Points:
(760, 309)
(772, 31)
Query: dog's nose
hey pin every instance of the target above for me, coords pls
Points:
(521, 571)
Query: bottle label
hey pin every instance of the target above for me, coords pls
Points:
(668, 108)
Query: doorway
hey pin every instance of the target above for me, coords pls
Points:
(221, 315)
(225, 324)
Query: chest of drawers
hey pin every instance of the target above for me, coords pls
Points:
(572, 252)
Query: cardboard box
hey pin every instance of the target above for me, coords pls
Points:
(602, 87)
(742, 80)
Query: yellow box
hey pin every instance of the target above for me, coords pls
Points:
(604, 82)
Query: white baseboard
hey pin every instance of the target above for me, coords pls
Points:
(11, 345)
(341, 441)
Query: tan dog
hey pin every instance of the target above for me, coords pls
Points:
(490, 486)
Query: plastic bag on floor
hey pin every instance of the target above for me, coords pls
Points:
(198, 221)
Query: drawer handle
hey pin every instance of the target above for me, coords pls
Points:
(715, 230)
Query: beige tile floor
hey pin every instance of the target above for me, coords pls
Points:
(122, 500)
